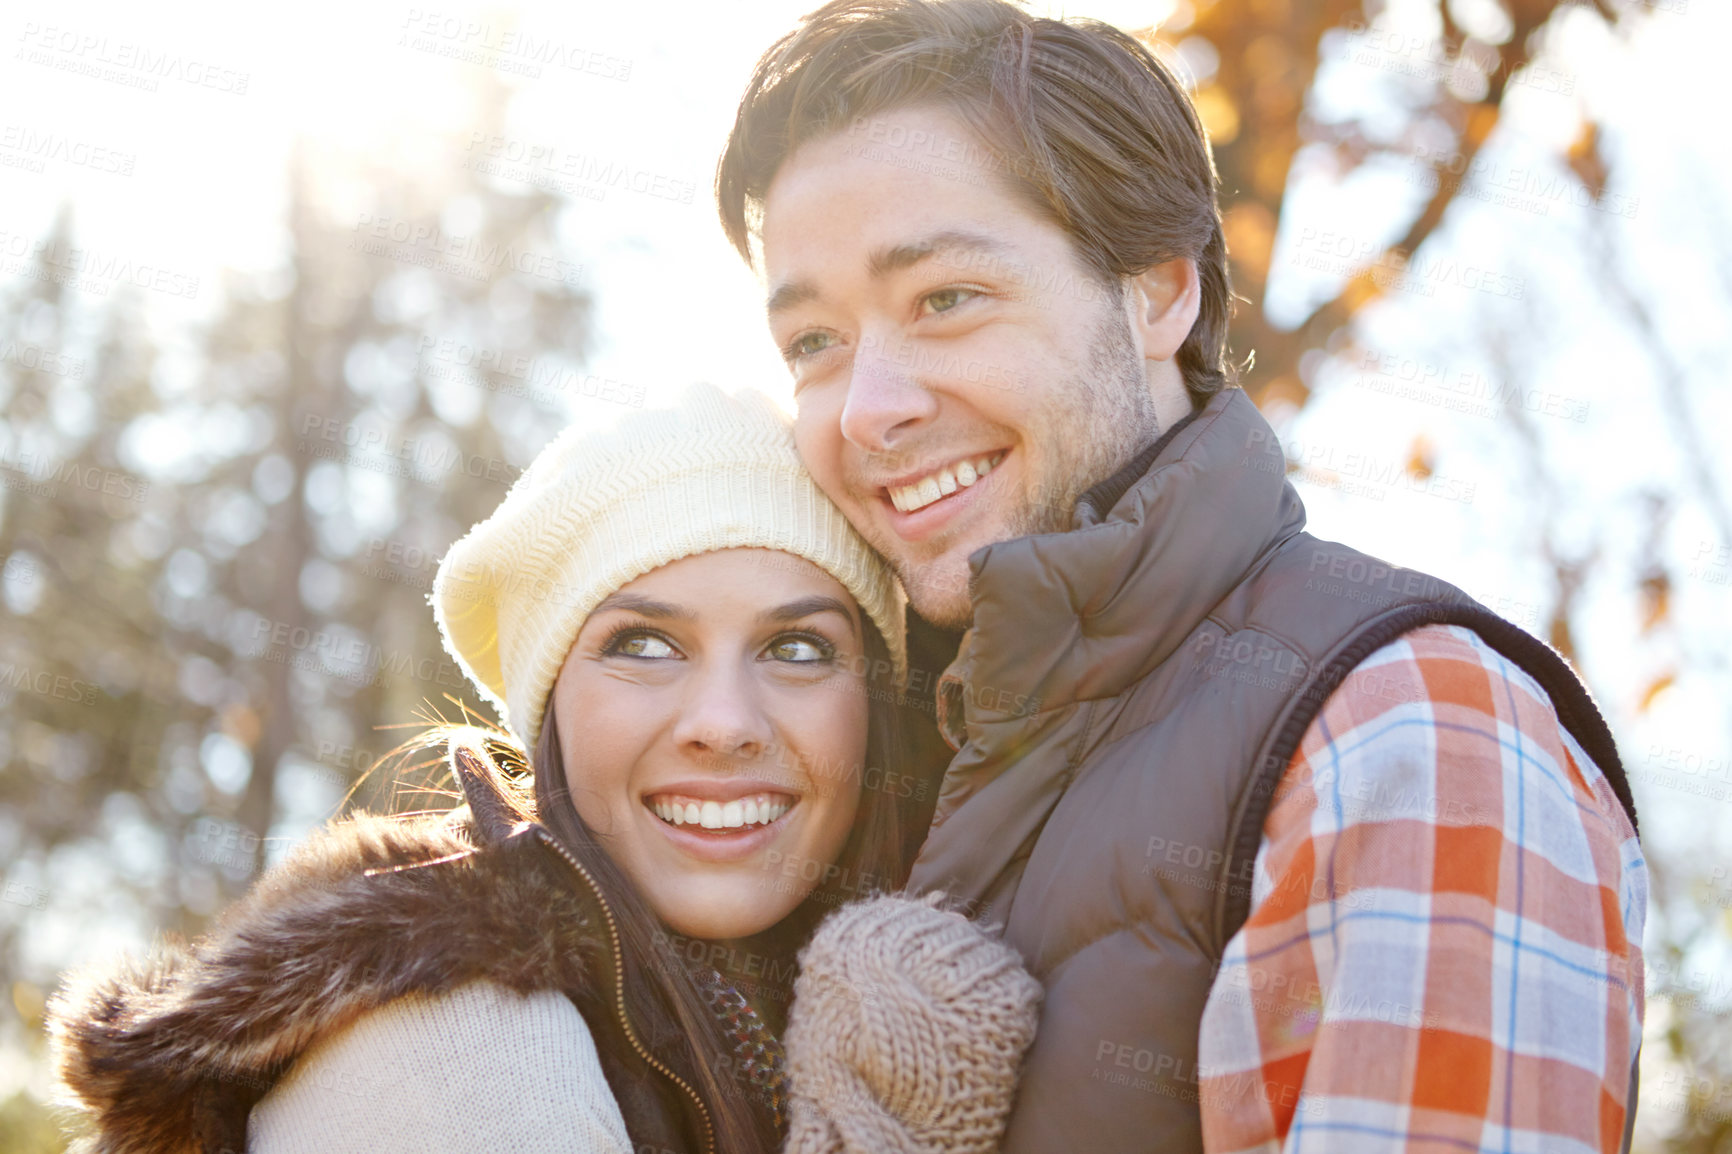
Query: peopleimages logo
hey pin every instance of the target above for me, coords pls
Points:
(35, 149)
(426, 244)
(545, 379)
(90, 270)
(1343, 254)
(424, 459)
(1534, 189)
(348, 657)
(550, 166)
(507, 49)
(43, 476)
(122, 61)
(908, 359)
(1465, 391)
(42, 360)
(23, 679)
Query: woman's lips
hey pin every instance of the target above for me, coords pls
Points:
(681, 809)
(724, 845)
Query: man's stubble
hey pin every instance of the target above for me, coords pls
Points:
(1100, 418)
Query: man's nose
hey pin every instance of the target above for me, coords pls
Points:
(886, 401)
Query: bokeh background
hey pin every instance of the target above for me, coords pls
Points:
(288, 298)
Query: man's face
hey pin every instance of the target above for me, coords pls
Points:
(961, 377)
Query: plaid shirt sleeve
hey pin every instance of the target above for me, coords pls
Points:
(1444, 945)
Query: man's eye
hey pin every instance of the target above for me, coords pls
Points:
(946, 299)
(801, 649)
(639, 645)
(807, 344)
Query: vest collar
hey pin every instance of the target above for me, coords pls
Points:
(1075, 616)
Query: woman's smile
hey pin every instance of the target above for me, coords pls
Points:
(681, 808)
(722, 821)
(717, 727)
(723, 844)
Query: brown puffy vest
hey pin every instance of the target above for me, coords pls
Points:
(1123, 709)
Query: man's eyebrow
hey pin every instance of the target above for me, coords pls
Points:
(789, 295)
(648, 606)
(805, 607)
(894, 258)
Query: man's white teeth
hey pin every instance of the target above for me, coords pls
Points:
(761, 809)
(944, 482)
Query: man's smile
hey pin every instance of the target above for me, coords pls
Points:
(936, 484)
(919, 506)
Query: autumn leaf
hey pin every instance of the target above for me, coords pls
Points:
(1656, 590)
(1420, 457)
(1586, 161)
(1656, 687)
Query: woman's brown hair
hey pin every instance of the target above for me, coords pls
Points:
(662, 996)
(1084, 124)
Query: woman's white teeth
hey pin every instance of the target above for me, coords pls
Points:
(759, 810)
(944, 482)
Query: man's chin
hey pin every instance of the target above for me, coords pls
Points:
(938, 591)
(937, 586)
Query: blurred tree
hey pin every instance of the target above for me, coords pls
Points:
(1256, 63)
(217, 548)
(1444, 71)
(26, 1128)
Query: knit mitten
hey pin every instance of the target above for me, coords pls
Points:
(908, 1027)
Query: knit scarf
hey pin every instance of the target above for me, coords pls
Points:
(758, 1056)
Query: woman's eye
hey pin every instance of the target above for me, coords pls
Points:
(802, 649)
(640, 645)
(946, 299)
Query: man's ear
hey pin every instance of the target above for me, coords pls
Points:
(1163, 301)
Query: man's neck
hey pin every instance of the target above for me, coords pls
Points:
(1105, 494)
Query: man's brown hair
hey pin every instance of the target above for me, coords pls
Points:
(1086, 125)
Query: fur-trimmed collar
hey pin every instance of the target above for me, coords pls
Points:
(169, 1054)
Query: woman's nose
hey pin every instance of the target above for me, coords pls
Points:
(722, 716)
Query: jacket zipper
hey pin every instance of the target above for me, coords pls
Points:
(619, 989)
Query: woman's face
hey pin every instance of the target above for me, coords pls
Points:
(712, 718)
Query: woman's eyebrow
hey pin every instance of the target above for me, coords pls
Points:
(648, 606)
(805, 607)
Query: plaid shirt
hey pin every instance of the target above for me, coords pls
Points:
(1444, 944)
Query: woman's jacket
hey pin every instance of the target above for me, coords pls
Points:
(473, 911)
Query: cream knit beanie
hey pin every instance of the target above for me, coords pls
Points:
(598, 508)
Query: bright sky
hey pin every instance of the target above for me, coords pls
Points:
(205, 162)
(189, 177)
